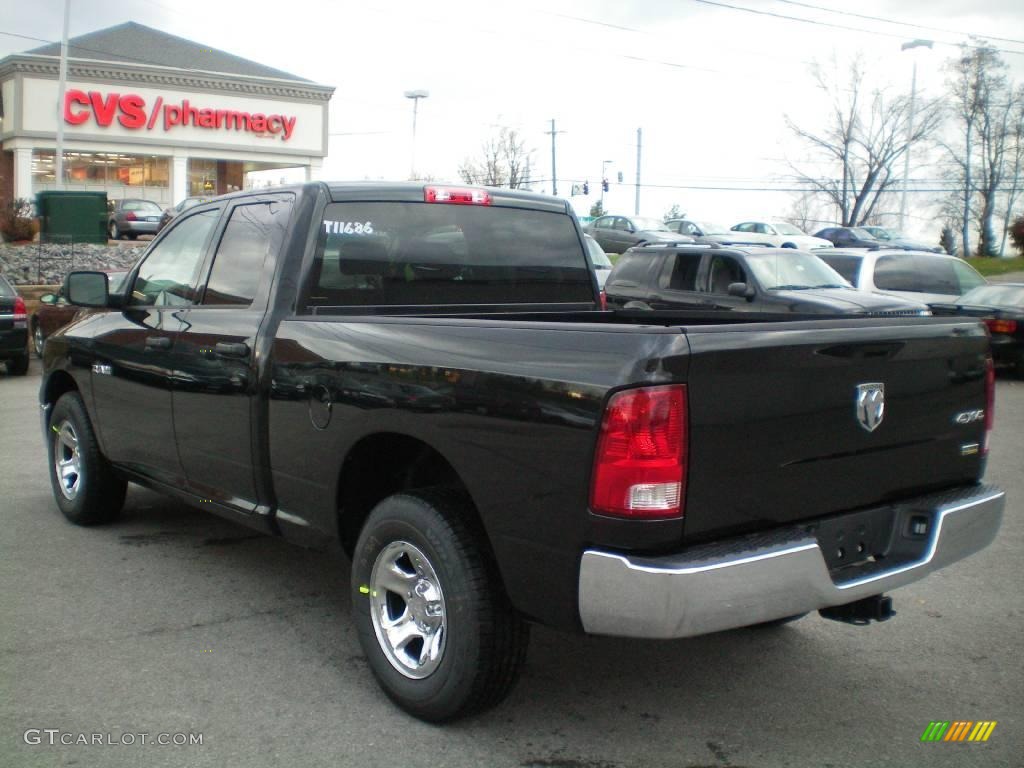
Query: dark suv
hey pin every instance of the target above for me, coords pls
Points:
(13, 329)
(769, 280)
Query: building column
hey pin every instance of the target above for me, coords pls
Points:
(23, 172)
(179, 179)
(315, 169)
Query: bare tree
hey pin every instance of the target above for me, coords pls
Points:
(1015, 161)
(866, 134)
(805, 213)
(504, 161)
(983, 113)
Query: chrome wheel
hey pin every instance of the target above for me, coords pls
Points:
(407, 610)
(38, 339)
(66, 461)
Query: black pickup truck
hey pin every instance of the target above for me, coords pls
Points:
(423, 376)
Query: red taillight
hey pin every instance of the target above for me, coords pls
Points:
(129, 216)
(990, 402)
(19, 309)
(640, 464)
(457, 195)
(604, 300)
(1001, 326)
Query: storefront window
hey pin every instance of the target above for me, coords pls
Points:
(100, 169)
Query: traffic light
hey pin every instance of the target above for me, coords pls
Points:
(604, 185)
(586, 187)
(620, 177)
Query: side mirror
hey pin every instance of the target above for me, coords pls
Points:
(742, 290)
(87, 289)
(48, 298)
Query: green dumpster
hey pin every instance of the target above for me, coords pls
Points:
(72, 217)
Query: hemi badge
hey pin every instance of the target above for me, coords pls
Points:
(968, 449)
(102, 369)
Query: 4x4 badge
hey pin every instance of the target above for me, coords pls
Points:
(870, 405)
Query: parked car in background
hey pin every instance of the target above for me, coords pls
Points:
(1001, 306)
(55, 312)
(756, 279)
(184, 205)
(598, 260)
(708, 232)
(850, 237)
(132, 217)
(920, 275)
(894, 239)
(781, 234)
(617, 234)
(13, 330)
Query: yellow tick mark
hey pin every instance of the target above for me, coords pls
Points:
(365, 590)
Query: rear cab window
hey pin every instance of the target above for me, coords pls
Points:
(426, 254)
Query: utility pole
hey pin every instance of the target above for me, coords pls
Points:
(554, 175)
(910, 128)
(639, 144)
(415, 96)
(61, 87)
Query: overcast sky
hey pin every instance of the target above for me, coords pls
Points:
(709, 85)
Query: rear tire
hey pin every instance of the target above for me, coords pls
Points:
(85, 487)
(37, 340)
(788, 245)
(115, 233)
(434, 622)
(18, 366)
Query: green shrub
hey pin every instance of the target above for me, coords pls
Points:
(1017, 234)
(16, 222)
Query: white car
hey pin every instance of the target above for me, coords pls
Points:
(780, 234)
(925, 276)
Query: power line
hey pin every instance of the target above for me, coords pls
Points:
(830, 25)
(899, 23)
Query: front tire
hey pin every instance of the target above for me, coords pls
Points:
(84, 485)
(434, 622)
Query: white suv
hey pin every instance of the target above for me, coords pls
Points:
(922, 275)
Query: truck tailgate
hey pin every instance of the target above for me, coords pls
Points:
(776, 434)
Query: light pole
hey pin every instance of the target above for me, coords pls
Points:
(415, 96)
(604, 179)
(910, 127)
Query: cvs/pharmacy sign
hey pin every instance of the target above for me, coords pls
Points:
(131, 111)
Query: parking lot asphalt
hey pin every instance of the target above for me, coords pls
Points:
(174, 621)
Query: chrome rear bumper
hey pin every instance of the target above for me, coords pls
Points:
(751, 579)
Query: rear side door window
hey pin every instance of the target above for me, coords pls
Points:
(630, 271)
(238, 264)
(170, 273)
(680, 272)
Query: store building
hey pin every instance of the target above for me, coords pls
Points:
(153, 116)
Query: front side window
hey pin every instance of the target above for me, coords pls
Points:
(967, 277)
(424, 254)
(723, 272)
(170, 272)
(238, 264)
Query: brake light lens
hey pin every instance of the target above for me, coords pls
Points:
(457, 195)
(129, 216)
(640, 464)
(20, 314)
(604, 300)
(1001, 326)
(990, 402)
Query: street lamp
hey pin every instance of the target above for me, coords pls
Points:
(415, 96)
(919, 43)
(604, 164)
